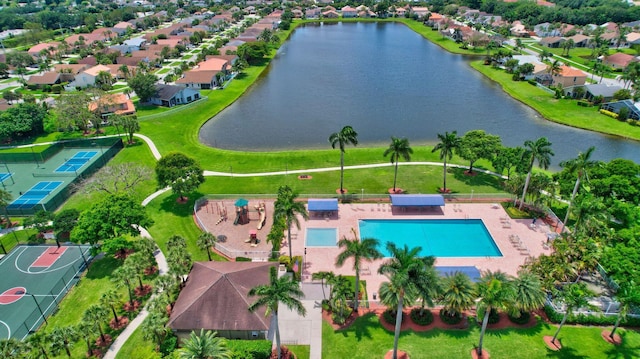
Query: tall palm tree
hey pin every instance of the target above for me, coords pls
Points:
(590, 213)
(404, 270)
(154, 326)
(111, 299)
(37, 343)
(86, 330)
(448, 142)
(205, 241)
(399, 148)
(627, 296)
(360, 250)
(458, 293)
(496, 292)
(63, 338)
(579, 165)
(346, 136)
(528, 294)
(574, 295)
(11, 348)
(166, 284)
(122, 276)
(96, 314)
(207, 345)
(539, 150)
(286, 207)
(283, 290)
(328, 276)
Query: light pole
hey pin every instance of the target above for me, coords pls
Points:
(304, 259)
(362, 196)
(471, 200)
(39, 309)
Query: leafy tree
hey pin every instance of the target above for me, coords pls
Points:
(63, 338)
(539, 150)
(574, 296)
(496, 292)
(122, 178)
(340, 292)
(64, 222)
(179, 171)
(477, 144)
(458, 293)
(346, 136)
(399, 148)
(40, 221)
(360, 250)
(288, 209)
(206, 240)
(404, 270)
(448, 143)
(324, 276)
(114, 216)
(511, 65)
(4, 70)
(580, 166)
(144, 85)
(283, 290)
(509, 159)
(204, 346)
(590, 214)
(104, 80)
(252, 52)
(22, 120)
(72, 111)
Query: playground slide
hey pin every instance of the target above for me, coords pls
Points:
(263, 218)
(238, 213)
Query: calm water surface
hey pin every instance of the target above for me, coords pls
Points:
(384, 80)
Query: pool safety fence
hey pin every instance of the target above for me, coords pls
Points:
(48, 302)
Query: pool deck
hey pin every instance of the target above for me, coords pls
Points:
(323, 258)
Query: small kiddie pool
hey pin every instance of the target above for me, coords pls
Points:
(321, 237)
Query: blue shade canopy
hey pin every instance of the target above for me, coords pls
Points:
(330, 204)
(241, 202)
(416, 200)
(470, 271)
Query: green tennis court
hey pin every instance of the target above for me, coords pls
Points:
(35, 279)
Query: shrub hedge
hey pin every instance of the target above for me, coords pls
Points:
(389, 316)
(583, 319)
(249, 349)
(425, 319)
(450, 319)
(522, 319)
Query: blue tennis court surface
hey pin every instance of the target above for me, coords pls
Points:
(34, 195)
(76, 162)
(4, 176)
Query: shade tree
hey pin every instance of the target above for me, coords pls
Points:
(180, 172)
(478, 144)
(508, 159)
(122, 178)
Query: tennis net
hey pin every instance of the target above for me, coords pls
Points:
(55, 174)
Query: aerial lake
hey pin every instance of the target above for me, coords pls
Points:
(384, 80)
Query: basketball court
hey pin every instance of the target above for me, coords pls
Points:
(35, 279)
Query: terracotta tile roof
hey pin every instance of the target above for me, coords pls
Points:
(212, 64)
(75, 68)
(119, 104)
(620, 59)
(216, 297)
(122, 25)
(35, 49)
(567, 71)
(94, 71)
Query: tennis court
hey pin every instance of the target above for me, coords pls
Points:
(34, 195)
(35, 279)
(76, 162)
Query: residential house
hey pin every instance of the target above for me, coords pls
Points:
(603, 90)
(68, 72)
(545, 3)
(113, 104)
(171, 95)
(348, 11)
(35, 50)
(552, 41)
(619, 60)
(199, 79)
(89, 60)
(518, 29)
(569, 76)
(610, 38)
(47, 78)
(546, 29)
(580, 40)
(136, 43)
(616, 106)
(312, 13)
(565, 28)
(216, 298)
(121, 27)
(420, 11)
(633, 38)
(88, 77)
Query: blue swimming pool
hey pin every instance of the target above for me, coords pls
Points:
(321, 237)
(437, 237)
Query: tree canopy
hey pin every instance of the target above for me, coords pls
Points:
(182, 173)
(144, 85)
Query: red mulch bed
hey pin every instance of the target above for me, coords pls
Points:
(95, 353)
(442, 190)
(285, 353)
(123, 254)
(122, 322)
(107, 341)
(555, 346)
(131, 308)
(470, 173)
(616, 340)
(305, 177)
(141, 292)
(396, 191)
(344, 191)
(474, 354)
(401, 355)
(182, 200)
(150, 270)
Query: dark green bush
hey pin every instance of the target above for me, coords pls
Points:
(169, 344)
(249, 349)
(450, 319)
(243, 259)
(494, 317)
(522, 319)
(389, 316)
(585, 104)
(425, 318)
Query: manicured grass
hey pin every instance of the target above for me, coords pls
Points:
(137, 347)
(301, 351)
(563, 111)
(11, 240)
(366, 338)
(147, 110)
(162, 71)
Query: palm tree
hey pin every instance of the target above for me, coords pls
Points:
(458, 293)
(404, 270)
(555, 68)
(429, 288)
(154, 326)
(359, 250)
(86, 330)
(328, 276)
(63, 338)
(124, 70)
(539, 150)
(496, 292)
(95, 315)
(110, 299)
(627, 296)
(399, 148)
(574, 295)
(448, 142)
(340, 293)
(38, 343)
(122, 276)
(283, 290)
(287, 208)
(528, 293)
(166, 284)
(579, 165)
(346, 136)
(207, 345)
(205, 241)
(11, 348)
(138, 262)
(590, 212)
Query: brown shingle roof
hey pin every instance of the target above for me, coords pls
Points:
(216, 297)
(47, 78)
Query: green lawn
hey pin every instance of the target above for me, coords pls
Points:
(368, 339)
(137, 347)
(11, 240)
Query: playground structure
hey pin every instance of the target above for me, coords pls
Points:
(262, 211)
